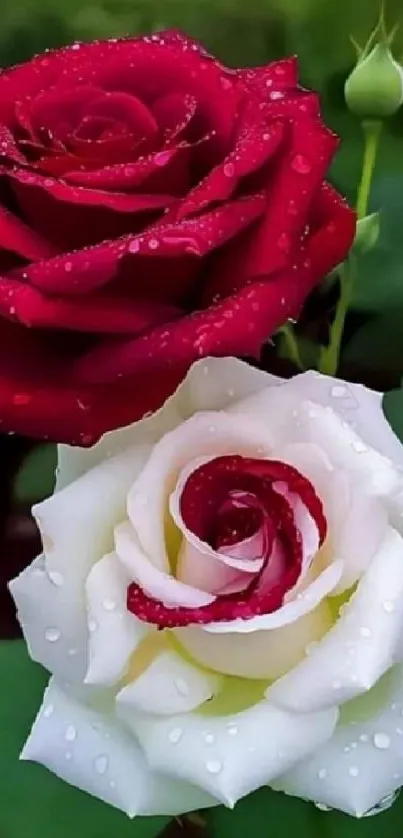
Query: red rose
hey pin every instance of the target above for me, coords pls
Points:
(156, 207)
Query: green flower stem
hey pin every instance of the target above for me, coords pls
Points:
(372, 132)
(330, 355)
(291, 345)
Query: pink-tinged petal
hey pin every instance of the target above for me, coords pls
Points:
(17, 237)
(102, 313)
(255, 146)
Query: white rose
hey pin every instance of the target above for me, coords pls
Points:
(259, 524)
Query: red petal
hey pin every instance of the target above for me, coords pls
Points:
(102, 313)
(16, 237)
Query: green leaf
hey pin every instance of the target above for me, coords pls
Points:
(378, 346)
(33, 802)
(269, 814)
(36, 477)
(393, 409)
(379, 284)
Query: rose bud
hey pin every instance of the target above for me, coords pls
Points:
(374, 89)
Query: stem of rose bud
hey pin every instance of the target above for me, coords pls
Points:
(291, 345)
(330, 355)
(372, 133)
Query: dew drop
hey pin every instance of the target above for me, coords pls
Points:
(322, 807)
(48, 711)
(338, 391)
(101, 764)
(175, 735)
(68, 267)
(232, 730)
(181, 687)
(68, 755)
(53, 634)
(365, 632)
(353, 771)
(229, 170)
(56, 578)
(109, 604)
(92, 625)
(153, 244)
(301, 164)
(382, 741)
(388, 606)
(322, 773)
(359, 446)
(162, 158)
(209, 738)
(337, 685)
(214, 766)
(384, 804)
(134, 246)
(70, 734)
(364, 737)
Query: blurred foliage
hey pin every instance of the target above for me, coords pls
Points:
(239, 33)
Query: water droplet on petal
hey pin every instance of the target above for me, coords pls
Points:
(48, 711)
(53, 634)
(301, 164)
(338, 391)
(359, 446)
(214, 766)
(209, 738)
(70, 734)
(388, 606)
(232, 730)
(162, 158)
(153, 244)
(365, 632)
(134, 246)
(109, 604)
(276, 94)
(68, 755)
(92, 625)
(353, 771)
(175, 735)
(56, 578)
(382, 741)
(322, 773)
(68, 267)
(229, 170)
(101, 763)
(384, 804)
(322, 807)
(181, 687)
(364, 737)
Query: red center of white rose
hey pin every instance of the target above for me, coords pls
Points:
(245, 508)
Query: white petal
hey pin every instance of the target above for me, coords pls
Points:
(230, 756)
(154, 582)
(362, 765)
(114, 631)
(356, 521)
(295, 419)
(259, 654)
(360, 647)
(305, 602)
(202, 389)
(92, 751)
(204, 435)
(77, 530)
(169, 685)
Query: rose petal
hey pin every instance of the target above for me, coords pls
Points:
(75, 522)
(247, 750)
(347, 662)
(168, 686)
(115, 632)
(17, 237)
(154, 582)
(92, 751)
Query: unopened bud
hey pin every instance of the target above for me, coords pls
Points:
(374, 89)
